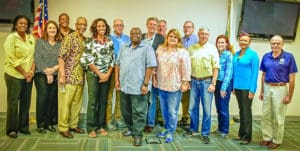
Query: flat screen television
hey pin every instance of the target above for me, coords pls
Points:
(11, 8)
(264, 18)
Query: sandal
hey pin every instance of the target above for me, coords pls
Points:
(102, 132)
(265, 143)
(273, 145)
(92, 134)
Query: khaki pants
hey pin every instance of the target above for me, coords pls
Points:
(273, 113)
(69, 105)
(113, 100)
(185, 104)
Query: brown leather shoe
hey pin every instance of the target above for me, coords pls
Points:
(66, 134)
(148, 129)
(77, 130)
(273, 145)
(265, 143)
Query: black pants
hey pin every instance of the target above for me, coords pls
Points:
(46, 100)
(18, 104)
(245, 130)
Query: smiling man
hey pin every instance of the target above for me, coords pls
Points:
(71, 79)
(133, 70)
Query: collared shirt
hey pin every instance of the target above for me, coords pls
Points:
(120, 40)
(18, 53)
(204, 59)
(245, 70)
(173, 68)
(133, 63)
(189, 41)
(226, 69)
(101, 55)
(149, 40)
(45, 55)
(278, 69)
(71, 51)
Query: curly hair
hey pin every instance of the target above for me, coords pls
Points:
(93, 28)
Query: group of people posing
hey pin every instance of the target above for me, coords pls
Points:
(142, 72)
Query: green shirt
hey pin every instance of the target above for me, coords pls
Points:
(18, 53)
(204, 59)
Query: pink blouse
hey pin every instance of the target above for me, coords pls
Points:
(172, 68)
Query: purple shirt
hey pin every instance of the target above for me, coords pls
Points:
(278, 69)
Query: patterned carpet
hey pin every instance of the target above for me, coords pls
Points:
(52, 141)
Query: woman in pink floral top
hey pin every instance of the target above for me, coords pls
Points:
(172, 78)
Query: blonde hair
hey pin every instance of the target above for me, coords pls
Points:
(178, 36)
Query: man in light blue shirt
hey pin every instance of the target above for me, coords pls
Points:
(114, 118)
(134, 67)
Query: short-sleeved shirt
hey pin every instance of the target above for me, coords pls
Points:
(101, 55)
(172, 68)
(45, 55)
(71, 51)
(133, 63)
(121, 41)
(204, 59)
(189, 41)
(278, 69)
(18, 53)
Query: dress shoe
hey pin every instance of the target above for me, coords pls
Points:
(273, 145)
(41, 130)
(66, 134)
(137, 141)
(148, 129)
(77, 130)
(127, 133)
(26, 132)
(265, 143)
(13, 135)
(50, 128)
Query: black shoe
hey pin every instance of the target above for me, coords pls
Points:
(50, 128)
(26, 132)
(206, 139)
(41, 130)
(13, 135)
(190, 133)
(127, 133)
(137, 141)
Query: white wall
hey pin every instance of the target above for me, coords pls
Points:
(212, 13)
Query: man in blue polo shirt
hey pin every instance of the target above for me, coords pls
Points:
(277, 88)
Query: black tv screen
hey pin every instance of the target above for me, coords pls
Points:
(11, 8)
(265, 18)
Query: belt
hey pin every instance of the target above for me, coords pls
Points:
(203, 78)
(277, 84)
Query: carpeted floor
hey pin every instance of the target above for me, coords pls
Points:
(52, 141)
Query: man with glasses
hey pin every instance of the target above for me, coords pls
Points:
(71, 80)
(113, 113)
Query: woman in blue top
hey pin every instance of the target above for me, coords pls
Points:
(223, 85)
(245, 72)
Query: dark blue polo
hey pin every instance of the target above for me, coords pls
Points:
(278, 69)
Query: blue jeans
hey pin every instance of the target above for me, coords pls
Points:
(169, 104)
(222, 105)
(199, 92)
(152, 106)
